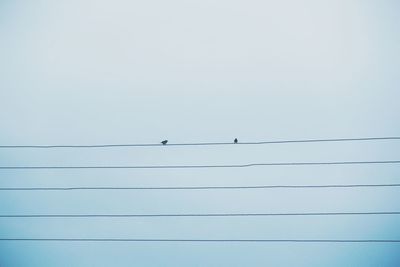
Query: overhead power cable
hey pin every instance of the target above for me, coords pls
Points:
(207, 143)
(204, 166)
(197, 214)
(198, 187)
(206, 240)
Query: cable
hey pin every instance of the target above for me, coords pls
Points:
(206, 240)
(203, 166)
(197, 215)
(195, 187)
(207, 143)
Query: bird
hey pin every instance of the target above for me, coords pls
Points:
(164, 142)
(235, 141)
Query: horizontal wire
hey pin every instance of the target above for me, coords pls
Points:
(196, 215)
(204, 166)
(206, 143)
(206, 240)
(196, 187)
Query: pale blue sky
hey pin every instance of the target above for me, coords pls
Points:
(88, 72)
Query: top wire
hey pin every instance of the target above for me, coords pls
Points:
(206, 143)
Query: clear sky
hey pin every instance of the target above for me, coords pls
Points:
(93, 72)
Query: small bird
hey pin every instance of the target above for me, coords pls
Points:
(164, 142)
(235, 141)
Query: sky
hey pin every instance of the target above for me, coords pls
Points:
(105, 72)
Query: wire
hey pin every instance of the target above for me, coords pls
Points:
(195, 187)
(206, 240)
(207, 143)
(197, 215)
(203, 166)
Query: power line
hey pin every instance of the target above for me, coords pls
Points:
(204, 166)
(196, 187)
(196, 215)
(207, 143)
(206, 240)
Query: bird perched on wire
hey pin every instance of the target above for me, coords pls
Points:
(235, 141)
(164, 142)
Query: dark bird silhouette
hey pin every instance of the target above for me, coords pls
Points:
(164, 142)
(235, 141)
